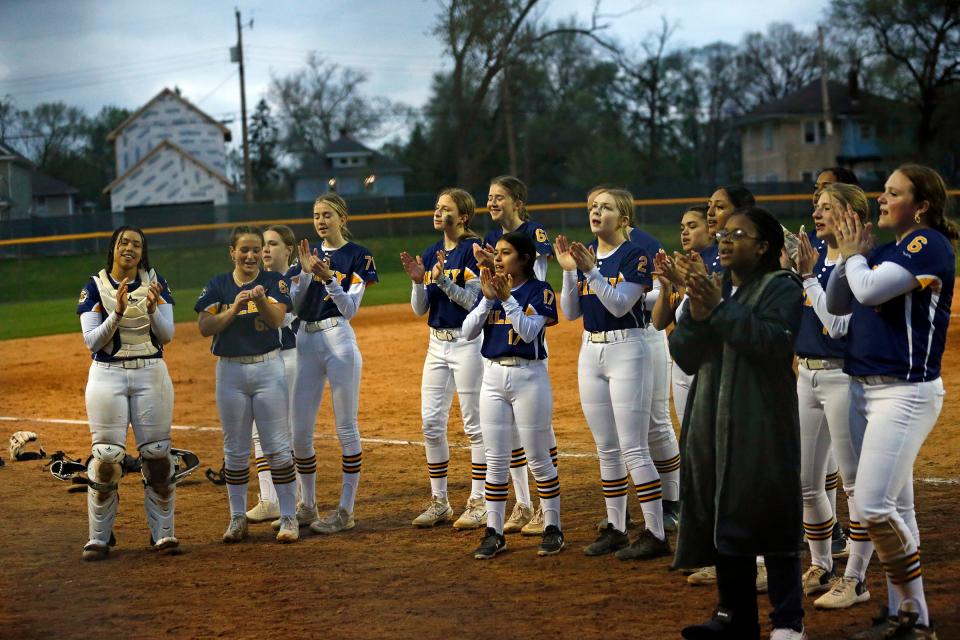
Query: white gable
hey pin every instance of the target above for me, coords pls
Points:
(167, 177)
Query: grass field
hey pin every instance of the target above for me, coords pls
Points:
(38, 295)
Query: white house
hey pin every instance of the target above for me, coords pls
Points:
(169, 152)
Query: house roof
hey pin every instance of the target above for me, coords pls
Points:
(166, 144)
(322, 165)
(9, 153)
(167, 93)
(808, 100)
(44, 185)
(344, 144)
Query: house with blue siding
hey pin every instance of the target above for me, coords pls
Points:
(349, 168)
(169, 152)
(789, 140)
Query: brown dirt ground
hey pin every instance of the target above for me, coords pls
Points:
(384, 578)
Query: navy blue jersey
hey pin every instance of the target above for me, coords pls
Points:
(461, 267)
(650, 247)
(533, 229)
(90, 301)
(288, 335)
(711, 258)
(247, 335)
(535, 297)
(627, 263)
(351, 264)
(813, 340)
(905, 337)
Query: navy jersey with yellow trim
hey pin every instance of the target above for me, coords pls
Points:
(535, 297)
(905, 337)
(461, 267)
(535, 230)
(247, 335)
(711, 258)
(813, 340)
(90, 301)
(651, 247)
(350, 264)
(628, 263)
(288, 335)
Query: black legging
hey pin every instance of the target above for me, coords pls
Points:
(737, 584)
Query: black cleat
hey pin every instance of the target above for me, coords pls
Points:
(839, 546)
(492, 544)
(610, 541)
(645, 547)
(552, 542)
(671, 516)
(881, 626)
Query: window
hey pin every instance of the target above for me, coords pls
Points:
(768, 136)
(814, 131)
(772, 177)
(866, 131)
(806, 176)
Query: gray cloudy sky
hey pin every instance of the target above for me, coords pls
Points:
(91, 53)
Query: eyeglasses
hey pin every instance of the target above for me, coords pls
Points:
(733, 236)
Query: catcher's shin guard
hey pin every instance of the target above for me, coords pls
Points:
(103, 474)
(159, 489)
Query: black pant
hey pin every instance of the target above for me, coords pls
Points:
(737, 584)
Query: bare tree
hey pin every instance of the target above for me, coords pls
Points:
(774, 64)
(49, 131)
(923, 39)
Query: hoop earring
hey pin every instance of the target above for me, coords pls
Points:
(916, 218)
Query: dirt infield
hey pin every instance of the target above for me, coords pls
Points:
(384, 578)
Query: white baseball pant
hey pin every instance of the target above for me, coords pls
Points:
(267, 491)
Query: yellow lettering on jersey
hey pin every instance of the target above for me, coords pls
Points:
(587, 290)
(453, 274)
(513, 337)
(251, 308)
(916, 244)
(497, 317)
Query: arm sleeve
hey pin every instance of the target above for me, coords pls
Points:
(473, 323)
(873, 287)
(690, 342)
(97, 334)
(540, 267)
(348, 302)
(653, 295)
(839, 297)
(161, 323)
(465, 296)
(766, 330)
(299, 285)
(836, 325)
(527, 327)
(418, 298)
(617, 300)
(570, 296)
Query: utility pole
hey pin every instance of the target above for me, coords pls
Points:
(236, 55)
(824, 92)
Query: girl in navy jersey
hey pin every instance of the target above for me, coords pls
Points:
(740, 474)
(823, 392)
(605, 284)
(900, 295)
(446, 284)
(243, 311)
(126, 314)
(513, 314)
(720, 206)
(507, 202)
(327, 295)
(279, 245)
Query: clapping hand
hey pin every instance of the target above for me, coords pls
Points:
(413, 267)
(807, 254)
(439, 265)
(666, 270)
(561, 251)
(240, 302)
(121, 297)
(153, 296)
(585, 258)
(705, 294)
(484, 255)
(853, 237)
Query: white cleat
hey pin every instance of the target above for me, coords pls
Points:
(168, 546)
(289, 530)
(535, 526)
(437, 512)
(334, 522)
(522, 514)
(305, 516)
(237, 529)
(706, 575)
(788, 634)
(263, 511)
(846, 592)
(475, 515)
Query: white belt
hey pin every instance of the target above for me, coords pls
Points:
(877, 379)
(446, 335)
(263, 357)
(617, 335)
(821, 364)
(133, 363)
(320, 325)
(511, 361)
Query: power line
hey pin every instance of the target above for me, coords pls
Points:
(217, 88)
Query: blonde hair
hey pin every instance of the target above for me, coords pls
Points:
(339, 206)
(623, 201)
(466, 206)
(517, 190)
(849, 194)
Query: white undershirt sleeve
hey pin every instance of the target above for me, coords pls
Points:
(418, 298)
(97, 334)
(839, 297)
(570, 296)
(540, 267)
(617, 300)
(348, 302)
(161, 323)
(873, 287)
(473, 323)
(465, 296)
(527, 327)
(836, 325)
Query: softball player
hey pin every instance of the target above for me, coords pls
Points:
(335, 274)
(605, 284)
(823, 391)
(719, 207)
(515, 395)
(506, 201)
(446, 283)
(243, 311)
(279, 244)
(900, 295)
(126, 314)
